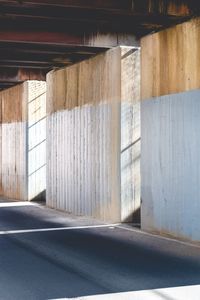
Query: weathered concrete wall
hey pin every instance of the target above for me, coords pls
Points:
(171, 60)
(15, 140)
(170, 132)
(36, 140)
(130, 135)
(170, 164)
(84, 106)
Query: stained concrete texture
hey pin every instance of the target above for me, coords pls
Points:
(170, 167)
(46, 254)
(93, 140)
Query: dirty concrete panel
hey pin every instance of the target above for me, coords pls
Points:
(170, 164)
(171, 60)
(13, 142)
(36, 132)
(130, 134)
(22, 140)
(83, 138)
(84, 135)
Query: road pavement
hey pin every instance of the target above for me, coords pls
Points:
(47, 254)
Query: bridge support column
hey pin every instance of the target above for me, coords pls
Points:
(23, 141)
(170, 110)
(93, 136)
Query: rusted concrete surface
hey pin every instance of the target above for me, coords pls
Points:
(171, 60)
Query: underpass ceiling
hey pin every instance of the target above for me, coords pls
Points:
(37, 36)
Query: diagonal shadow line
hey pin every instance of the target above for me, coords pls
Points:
(131, 145)
(162, 295)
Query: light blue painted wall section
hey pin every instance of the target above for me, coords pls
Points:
(170, 164)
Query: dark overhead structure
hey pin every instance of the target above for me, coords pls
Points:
(37, 36)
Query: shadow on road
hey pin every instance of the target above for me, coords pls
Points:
(72, 263)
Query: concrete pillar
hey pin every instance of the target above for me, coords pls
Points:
(36, 145)
(170, 110)
(93, 133)
(22, 141)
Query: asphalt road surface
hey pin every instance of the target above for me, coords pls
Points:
(46, 254)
